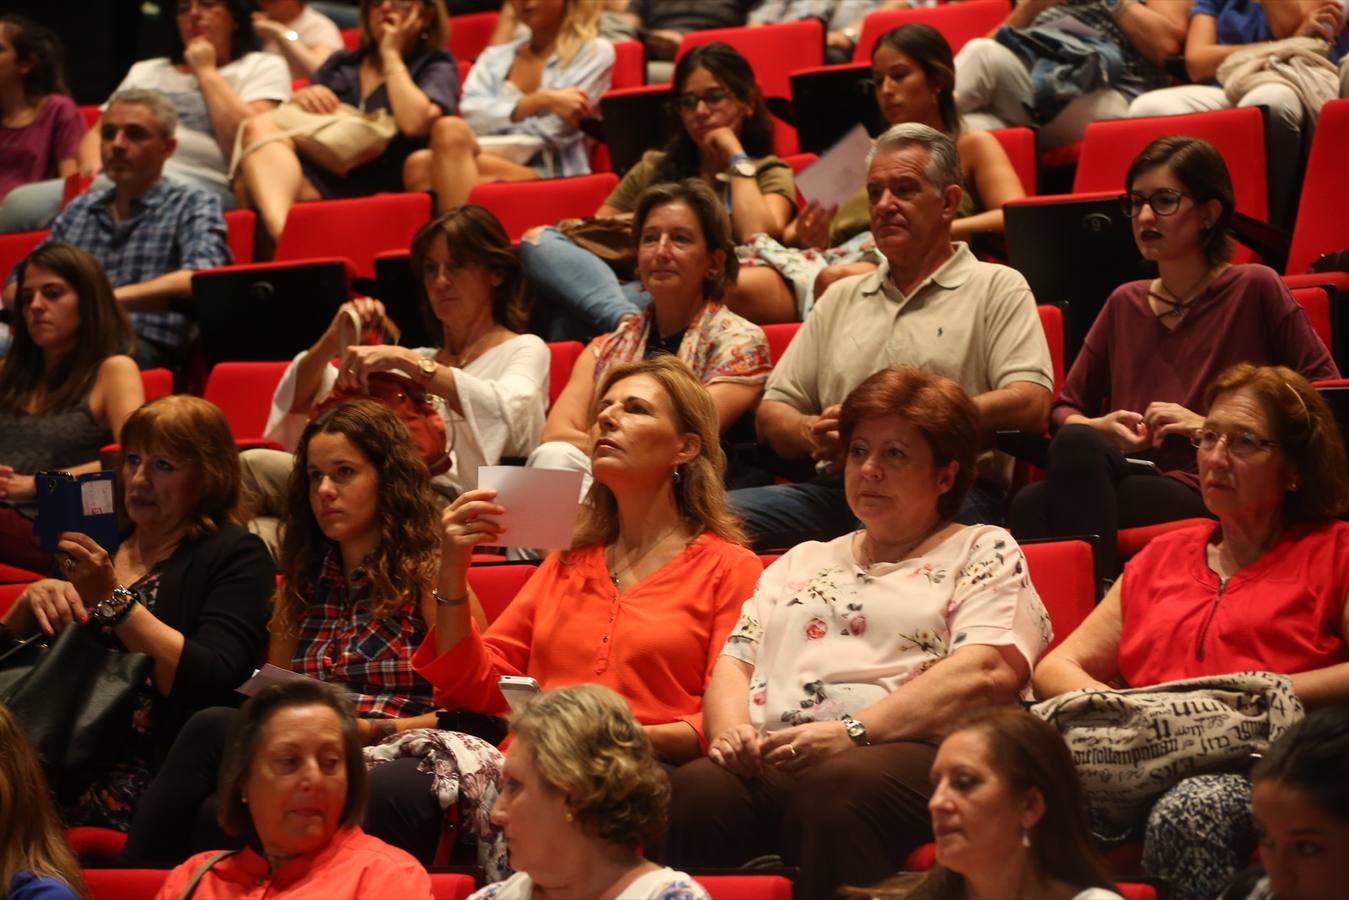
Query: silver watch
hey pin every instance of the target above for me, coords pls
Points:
(114, 610)
(857, 732)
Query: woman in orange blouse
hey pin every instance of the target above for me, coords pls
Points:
(649, 590)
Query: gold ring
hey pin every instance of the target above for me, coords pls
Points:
(792, 747)
(68, 564)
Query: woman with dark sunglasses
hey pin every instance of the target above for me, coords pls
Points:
(724, 137)
(1135, 390)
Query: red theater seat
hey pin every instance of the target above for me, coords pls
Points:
(779, 336)
(451, 885)
(564, 355)
(1064, 576)
(522, 205)
(957, 22)
(746, 887)
(497, 585)
(124, 884)
(774, 51)
(14, 247)
(1320, 226)
(240, 226)
(357, 228)
(243, 390)
(1019, 145)
(469, 34)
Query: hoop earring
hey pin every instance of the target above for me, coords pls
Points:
(677, 477)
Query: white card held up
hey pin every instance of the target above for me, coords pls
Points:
(267, 675)
(540, 504)
(833, 178)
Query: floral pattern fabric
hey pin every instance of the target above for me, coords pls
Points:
(660, 884)
(718, 346)
(828, 637)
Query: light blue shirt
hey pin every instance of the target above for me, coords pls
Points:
(489, 99)
(837, 14)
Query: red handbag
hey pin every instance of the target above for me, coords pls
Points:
(408, 401)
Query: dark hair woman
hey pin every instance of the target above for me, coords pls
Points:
(66, 385)
(1136, 387)
(40, 126)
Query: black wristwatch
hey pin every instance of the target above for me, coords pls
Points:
(114, 610)
(857, 732)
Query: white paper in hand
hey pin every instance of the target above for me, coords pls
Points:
(268, 674)
(540, 504)
(833, 178)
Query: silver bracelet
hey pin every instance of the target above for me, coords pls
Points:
(448, 601)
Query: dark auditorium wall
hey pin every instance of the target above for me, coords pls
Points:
(102, 37)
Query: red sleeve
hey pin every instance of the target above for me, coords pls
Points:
(465, 676)
(735, 585)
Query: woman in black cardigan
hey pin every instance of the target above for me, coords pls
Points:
(188, 586)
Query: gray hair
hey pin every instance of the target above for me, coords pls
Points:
(160, 107)
(943, 163)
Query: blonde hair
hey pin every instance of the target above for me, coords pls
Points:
(31, 837)
(580, 25)
(700, 492)
(587, 746)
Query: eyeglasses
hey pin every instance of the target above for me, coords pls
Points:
(185, 6)
(1164, 202)
(713, 97)
(1239, 443)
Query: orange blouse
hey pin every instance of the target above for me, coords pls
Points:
(655, 644)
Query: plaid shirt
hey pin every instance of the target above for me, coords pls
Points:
(343, 644)
(172, 226)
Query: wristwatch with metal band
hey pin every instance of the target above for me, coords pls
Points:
(857, 732)
(114, 610)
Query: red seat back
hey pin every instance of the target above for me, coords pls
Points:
(14, 247)
(451, 885)
(746, 887)
(9, 593)
(91, 114)
(1129, 541)
(779, 336)
(1051, 320)
(629, 66)
(240, 225)
(357, 228)
(243, 390)
(773, 51)
(1109, 147)
(124, 884)
(470, 33)
(1315, 302)
(1320, 226)
(1019, 145)
(522, 205)
(564, 355)
(351, 38)
(156, 383)
(496, 586)
(958, 23)
(1064, 576)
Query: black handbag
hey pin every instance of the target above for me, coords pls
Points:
(73, 695)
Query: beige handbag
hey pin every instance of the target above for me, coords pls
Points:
(337, 142)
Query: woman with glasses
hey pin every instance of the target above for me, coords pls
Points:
(215, 76)
(401, 66)
(1262, 590)
(725, 138)
(529, 95)
(1135, 390)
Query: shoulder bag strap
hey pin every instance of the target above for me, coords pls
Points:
(191, 886)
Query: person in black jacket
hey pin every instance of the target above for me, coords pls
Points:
(188, 585)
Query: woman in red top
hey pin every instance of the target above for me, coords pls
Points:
(649, 590)
(1265, 590)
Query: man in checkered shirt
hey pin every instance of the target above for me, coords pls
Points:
(150, 233)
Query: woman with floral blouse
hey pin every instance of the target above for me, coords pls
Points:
(853, 657)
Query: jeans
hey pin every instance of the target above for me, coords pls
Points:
(30, 207)
(579, 289)
(784, 515)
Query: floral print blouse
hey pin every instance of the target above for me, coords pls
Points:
(827, 637)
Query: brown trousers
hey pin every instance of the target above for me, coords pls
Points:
(851, 820)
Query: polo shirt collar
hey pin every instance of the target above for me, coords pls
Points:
(949, 275)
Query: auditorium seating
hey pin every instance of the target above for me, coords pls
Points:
(14, 247)
(470, 33)
(779, 336)
(522, 205)
(356, 228)
(497, 585)
(156, 383)
(774, 51)
(958, 23)
(240, 227)
(1064, 576)
(563, 357)
(243, 391)
(1320, 226)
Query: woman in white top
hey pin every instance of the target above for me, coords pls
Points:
(580, 794)
(1008, 814)
(854, 656)
(534, 89)
(297, 32)
(488, 382)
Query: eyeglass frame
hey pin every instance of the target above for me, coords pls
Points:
(683, 105)
(1225, 437)
(1132, 207)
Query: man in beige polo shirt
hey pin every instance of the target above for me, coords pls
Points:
(931, 304)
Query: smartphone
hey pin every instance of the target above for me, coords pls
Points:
(517, 689)
(69, 503)
(1138, 466)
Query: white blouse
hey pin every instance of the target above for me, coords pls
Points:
(503, 394)
(660, 884)
(828, 638)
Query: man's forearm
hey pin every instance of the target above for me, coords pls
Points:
(1021, 406)
(1154, 34)
(154, 295)
(785, 430)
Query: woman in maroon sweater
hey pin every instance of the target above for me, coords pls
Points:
(1135, 389)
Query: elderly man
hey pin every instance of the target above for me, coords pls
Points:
(150, 233)
(930, 304)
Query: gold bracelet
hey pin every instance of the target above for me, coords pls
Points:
(449, 601)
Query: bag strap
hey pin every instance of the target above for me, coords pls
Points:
(310, 130)
(190, 888)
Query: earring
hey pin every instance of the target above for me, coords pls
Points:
(677, 476)
(243, 798)
(1292, 486)
(570, 815)
(1025, 839)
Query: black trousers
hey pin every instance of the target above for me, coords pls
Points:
(176, 816)
(1089, 489)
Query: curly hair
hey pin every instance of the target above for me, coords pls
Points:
(31, 837)
(196, 431)
(104, 331)
(587, 746)
(1306, 431)
(407, 557)
(473, 235)
(700, 492)
(725, 64)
